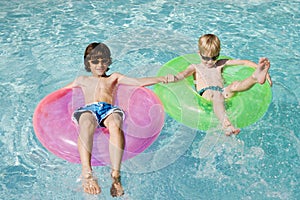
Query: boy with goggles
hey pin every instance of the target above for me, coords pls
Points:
(98, 92)
(209, 82)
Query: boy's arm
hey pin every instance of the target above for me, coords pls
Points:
(146, 81)
(182, 75)
(70, 85)
(248, 63)
(241, 62)
(73, 84)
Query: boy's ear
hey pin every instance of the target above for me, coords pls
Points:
(87, 67)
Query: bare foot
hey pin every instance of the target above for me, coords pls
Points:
(90, 183)
(229, 128)
(261, 71)
(116, 189)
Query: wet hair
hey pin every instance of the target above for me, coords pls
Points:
(95, 51)
(209, 44)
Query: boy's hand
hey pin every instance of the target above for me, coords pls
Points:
(170, 78)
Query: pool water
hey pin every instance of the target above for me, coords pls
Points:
(42, 45)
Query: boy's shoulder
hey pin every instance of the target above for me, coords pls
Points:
(83, 77)
(116, 74)
(194, 65)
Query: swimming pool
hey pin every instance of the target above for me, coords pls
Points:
(42, 44)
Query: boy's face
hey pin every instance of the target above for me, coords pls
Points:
(208, 60)
(99, 66)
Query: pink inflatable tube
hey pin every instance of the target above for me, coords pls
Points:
(144, 118)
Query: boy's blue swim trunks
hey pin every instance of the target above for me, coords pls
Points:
(99, 109)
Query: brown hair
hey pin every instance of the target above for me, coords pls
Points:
(95, 51)
(209, 44)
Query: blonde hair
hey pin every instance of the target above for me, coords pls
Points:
(209, 44)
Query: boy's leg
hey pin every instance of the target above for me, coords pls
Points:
(87, 125)
(219, 109)
(258, 76)
(116, 148)
(261, 71)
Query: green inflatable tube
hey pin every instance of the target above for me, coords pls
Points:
(185, 105)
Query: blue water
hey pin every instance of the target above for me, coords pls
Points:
(42, 44)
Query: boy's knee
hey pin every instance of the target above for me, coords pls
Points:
(87, 120)
(233, 86)
(114, 121)
(114, 125)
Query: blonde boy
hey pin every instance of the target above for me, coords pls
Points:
(209, 82)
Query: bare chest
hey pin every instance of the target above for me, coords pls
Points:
(208, 77)
(99, 89)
